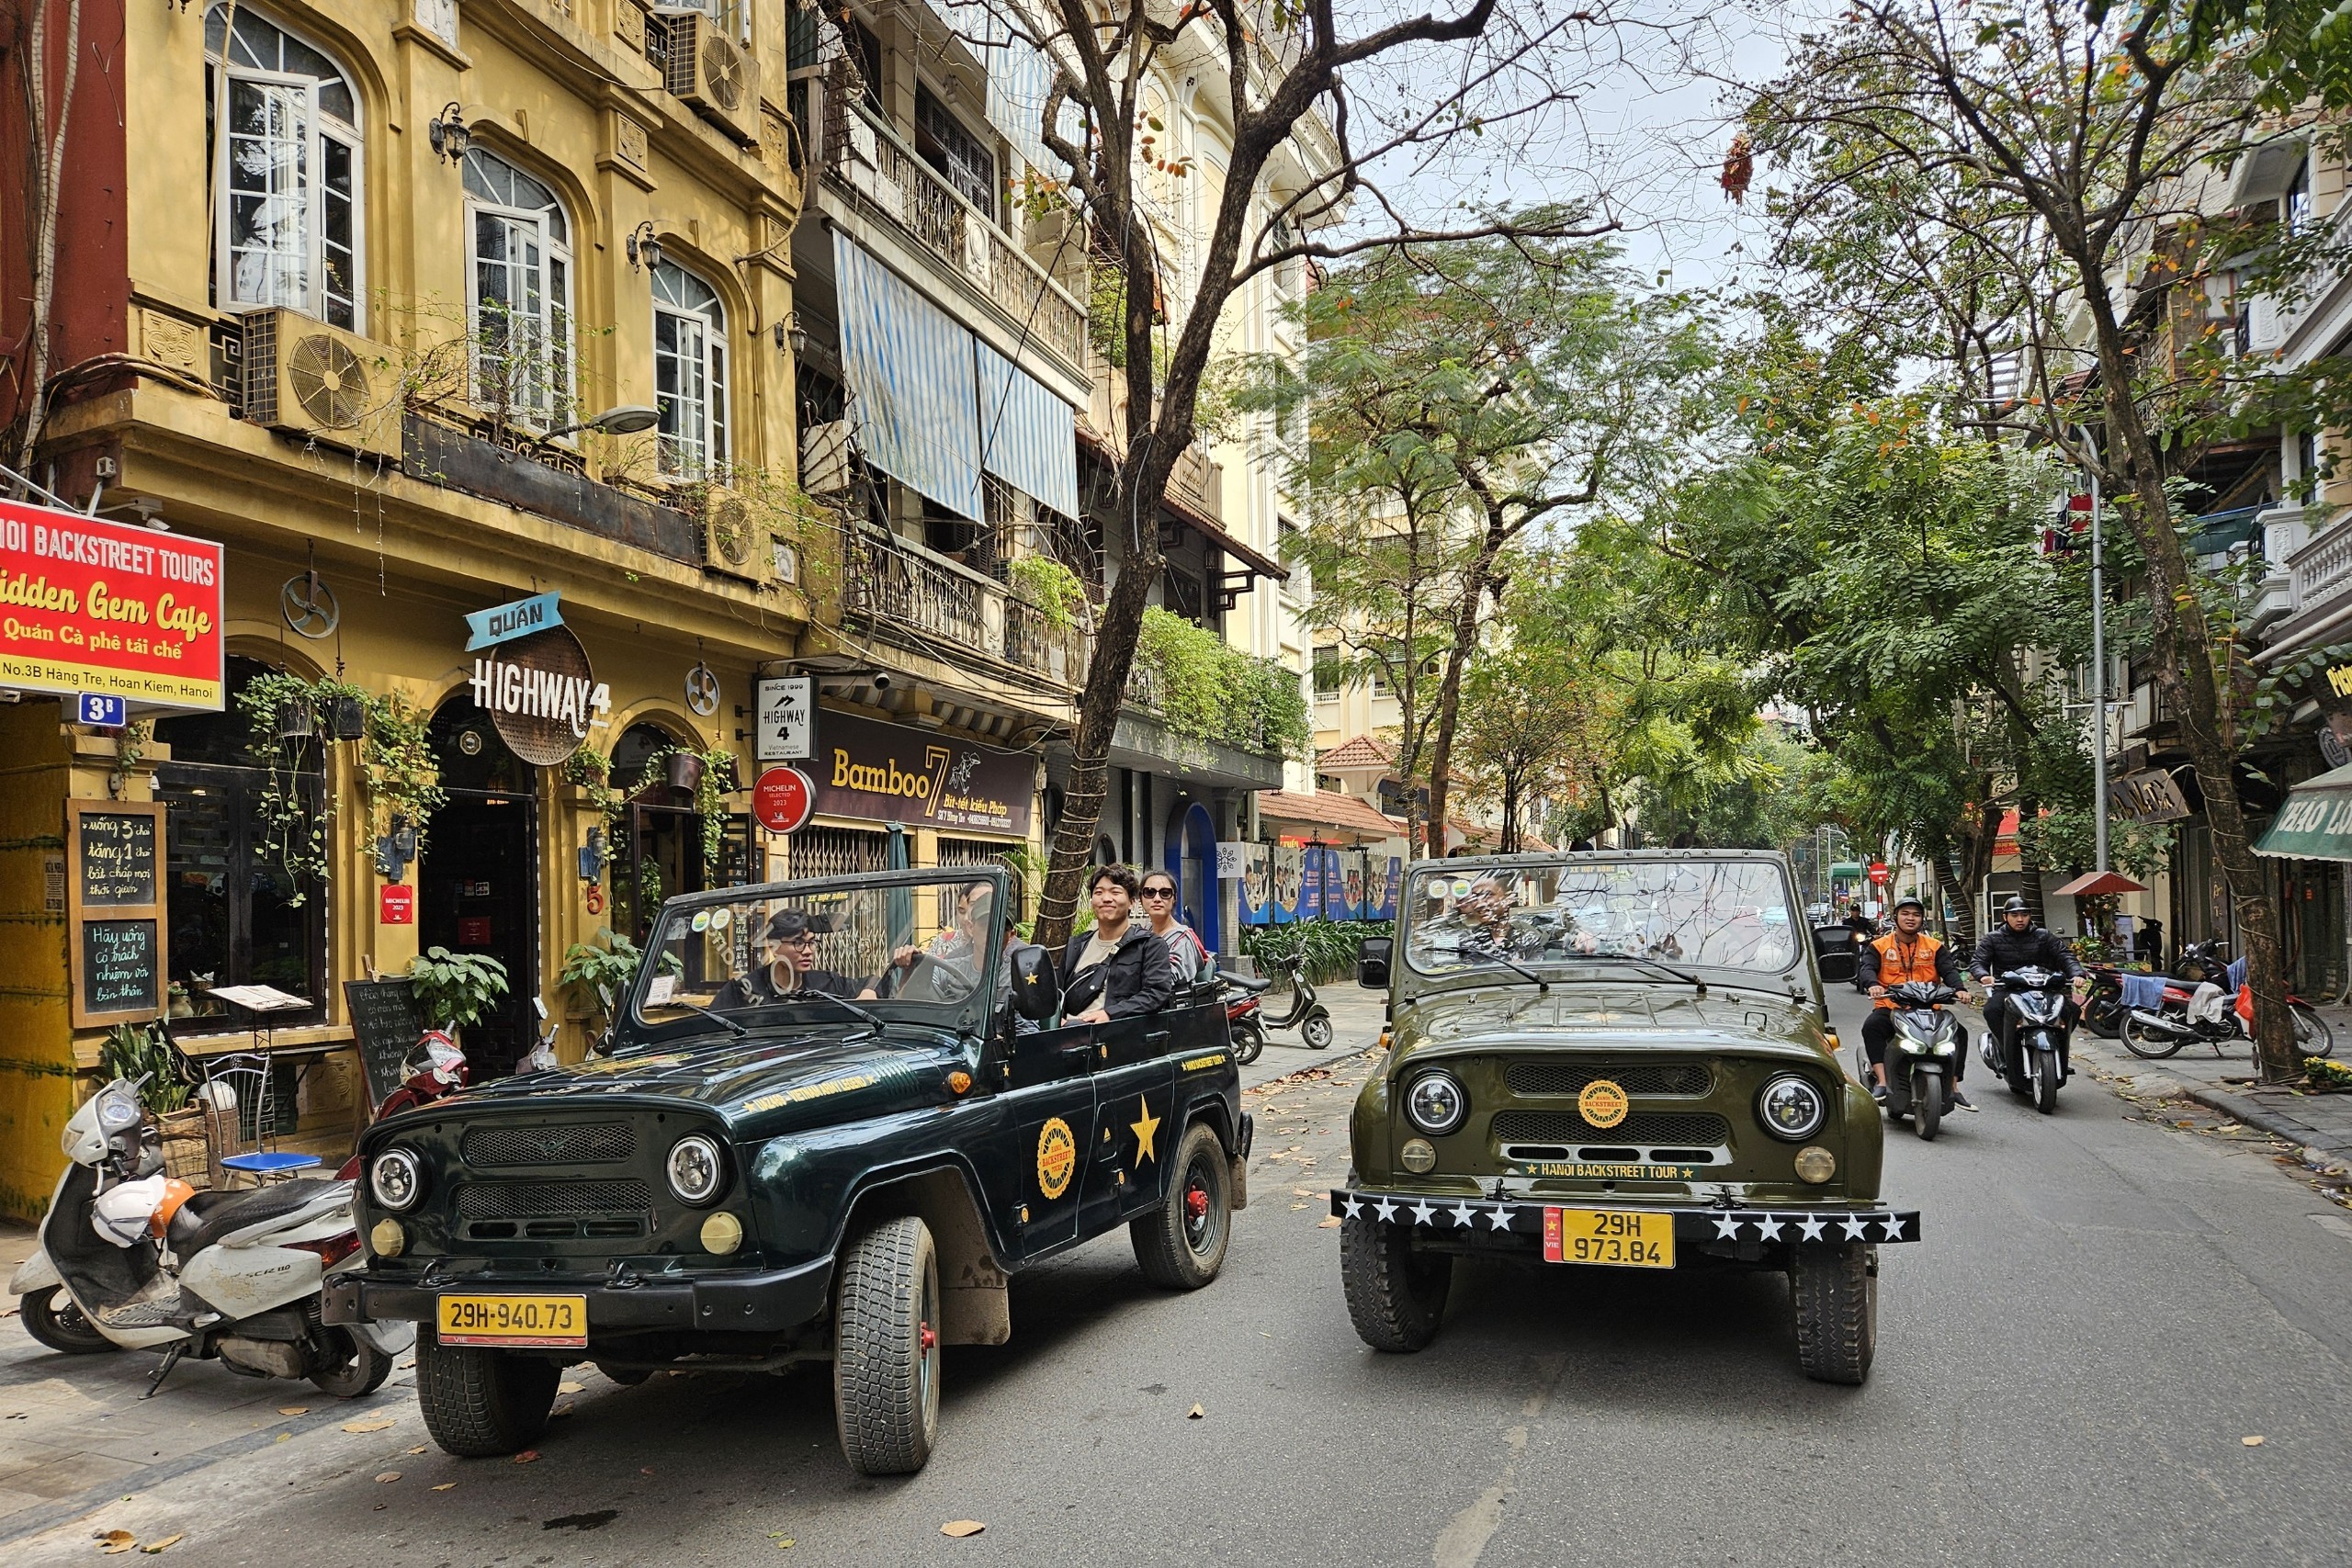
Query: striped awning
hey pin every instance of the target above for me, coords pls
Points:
(910, 366)
(1028, 436)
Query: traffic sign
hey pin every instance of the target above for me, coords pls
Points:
(91, 708)
(783, 799)
(1878, 871)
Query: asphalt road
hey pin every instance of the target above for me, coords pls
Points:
(2105, 1308)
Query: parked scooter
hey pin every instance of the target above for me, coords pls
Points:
(1245, 1016)
(434, 1071)
(1308, 1016)
(2205, 1014)
(1920, 1055)
(2033, 1057)
(130, 1259)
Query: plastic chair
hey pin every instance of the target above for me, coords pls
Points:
(241, 1123)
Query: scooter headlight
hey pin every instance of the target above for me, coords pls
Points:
(1792, 1107)
(397, 1178)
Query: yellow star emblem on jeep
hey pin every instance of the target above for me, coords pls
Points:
(1145, 1131)
(1602, 1103)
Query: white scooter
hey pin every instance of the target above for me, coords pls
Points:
(130, 1261)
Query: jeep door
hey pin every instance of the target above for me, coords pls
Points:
(1035, 1162)
(1127, 1170)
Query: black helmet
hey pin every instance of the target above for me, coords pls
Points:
(2015, 906)
(1909, 901)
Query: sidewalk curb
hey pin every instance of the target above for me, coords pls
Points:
(2334, 1143)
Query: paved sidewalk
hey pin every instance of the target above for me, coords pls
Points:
(2318, 1123)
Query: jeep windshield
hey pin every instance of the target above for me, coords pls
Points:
(852, 953)
(1637, 917)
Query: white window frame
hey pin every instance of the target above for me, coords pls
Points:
(701, 450)
(552, 405)
(319, 129)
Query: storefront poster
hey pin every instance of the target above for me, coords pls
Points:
(1392, 881)
(87, 605)
(1289, 862)
(1247, 866)
(891, 773)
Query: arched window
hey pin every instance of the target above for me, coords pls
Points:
(518, 250)
(689, 372)
(286, 171)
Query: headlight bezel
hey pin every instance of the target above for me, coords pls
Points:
(1432, 1078)
(717, 1154)
(1786, 1132)
(403, 1157)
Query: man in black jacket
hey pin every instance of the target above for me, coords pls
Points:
(1119, 969)
(2017, 943)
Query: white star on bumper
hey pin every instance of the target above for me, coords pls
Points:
(1812, 1229)
(1894, 1224)
(1465, 1216)
(1423, 1215)
(1353, 1206)
(1728, 1228)
(1856, 1230)
(1498, 1218)
(1387, 1211)
(1768, 1229)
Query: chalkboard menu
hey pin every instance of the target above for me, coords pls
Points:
(114, 910)
(122, 966)
(387, 1025)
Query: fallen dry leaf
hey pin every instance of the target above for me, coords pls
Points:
(418, 1449)
(570, 1387)
(285, 1436)
(563, 1409)
(528, 1456)
(2251, 1442)
(293, 1410)
(165, 1544)
(1194, 1414)
(1325, 1224)
(1300, 1193)
(445, 1487)
(379, 1425)
(113, 1542)
(388, 1476)
(961, 1528)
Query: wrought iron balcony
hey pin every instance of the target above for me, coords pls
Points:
(911, 596)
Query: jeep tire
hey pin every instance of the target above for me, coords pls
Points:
(886, 1349)
(1395, 1296)
(479, 1403)
(1835, 1290)
(1181, 1242)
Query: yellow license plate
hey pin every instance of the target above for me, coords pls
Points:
(1620, 1238)
(557, 1321)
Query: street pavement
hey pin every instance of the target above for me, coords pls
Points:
(2107, 1305)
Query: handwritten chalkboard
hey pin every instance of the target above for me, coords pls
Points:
(114, 910)
(121, 966)
(117, 864)
(385, 1020)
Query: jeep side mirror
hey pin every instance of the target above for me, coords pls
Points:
(1036, 986)
(1834, 946)
(1372, 962)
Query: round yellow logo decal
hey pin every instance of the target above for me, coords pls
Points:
(1056, 1157)
(1602, 1103)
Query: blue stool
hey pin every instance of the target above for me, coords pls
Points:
(268, 1166)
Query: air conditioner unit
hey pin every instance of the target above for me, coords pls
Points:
(735, 537)
(713, 72)
(307, 378)
(824, 458)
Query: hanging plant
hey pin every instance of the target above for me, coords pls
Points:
(711, 777)
(592, 772)
(279, 710)
(398, 770)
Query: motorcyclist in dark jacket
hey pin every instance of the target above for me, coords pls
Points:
(2017, 943)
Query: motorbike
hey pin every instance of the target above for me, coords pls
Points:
(2206, 1015)
(2033, 1057)
(1308, 1015)
(434, 1071)
(1918, 1056)
(130, 1259)
(1245, 1016)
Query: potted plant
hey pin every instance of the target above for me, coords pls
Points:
(597, 974)
(685, 771)
(293, 717)
(454, 989)
(346, 717)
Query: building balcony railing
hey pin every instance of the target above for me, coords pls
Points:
(864, 154)
(903, 591)
(1195, 482)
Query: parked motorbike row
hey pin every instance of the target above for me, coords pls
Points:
(2030, 1053)
(132, 1260)
(2194, 1005)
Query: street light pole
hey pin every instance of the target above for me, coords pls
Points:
(2099, 669)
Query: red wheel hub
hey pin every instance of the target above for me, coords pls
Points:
(1197, 1202)
(929, 1337)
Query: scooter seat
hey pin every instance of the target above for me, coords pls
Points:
(1249, 986)
(207, 1216)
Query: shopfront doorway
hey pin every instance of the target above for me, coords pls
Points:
(478, 879)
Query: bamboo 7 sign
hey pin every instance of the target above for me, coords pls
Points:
(92, 606)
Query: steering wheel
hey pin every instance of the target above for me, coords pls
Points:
(895, 979)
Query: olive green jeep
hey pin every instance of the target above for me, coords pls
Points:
(1613, 1060)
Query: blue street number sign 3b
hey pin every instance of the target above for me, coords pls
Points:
(113, 712)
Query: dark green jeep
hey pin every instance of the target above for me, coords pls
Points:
(1614, 1060)
(820, 1134)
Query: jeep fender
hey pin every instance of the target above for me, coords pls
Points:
(974, 1306)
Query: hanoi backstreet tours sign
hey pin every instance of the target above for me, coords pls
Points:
(890, 772)
(88, 606)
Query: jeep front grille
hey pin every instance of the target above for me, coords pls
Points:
(1692, 1128)
(1633, 1077)
(554, 1199)
(580, 1143)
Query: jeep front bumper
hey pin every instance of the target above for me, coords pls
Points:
(769, 1302)
(1737, 1233)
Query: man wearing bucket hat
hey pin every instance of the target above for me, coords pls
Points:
(1905, 954)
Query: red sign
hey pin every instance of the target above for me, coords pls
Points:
(473, 930)
(1878, 871)
(783, 800)
(88, 605)
(396, 906)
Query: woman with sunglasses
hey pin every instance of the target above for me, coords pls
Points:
(1187, 954)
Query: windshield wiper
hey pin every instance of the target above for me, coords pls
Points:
(1658, 965)
(715, 1017)
(847, 1005)
(1542, 985)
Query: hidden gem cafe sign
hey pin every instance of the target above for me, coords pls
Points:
(88, 606)
(533, 677)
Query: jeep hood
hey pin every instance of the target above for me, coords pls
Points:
(1604, 1018)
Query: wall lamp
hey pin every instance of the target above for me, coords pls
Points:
(626, 419)
(643, 247)
(448, 133)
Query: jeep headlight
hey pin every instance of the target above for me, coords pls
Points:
(695, 1168)
(397, 1178)
(1434, 1102)
(1792, 1107)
